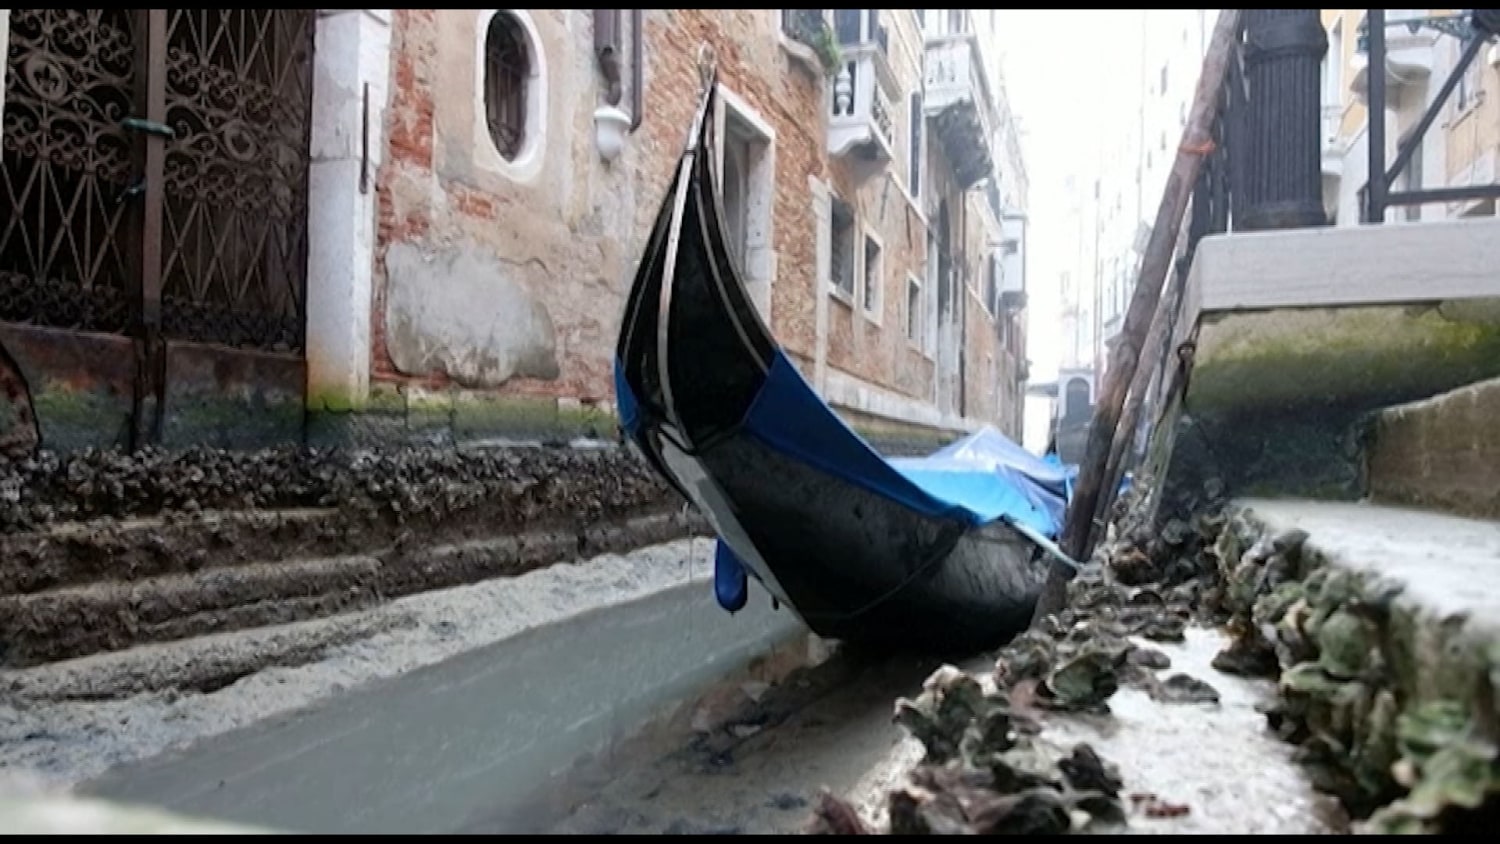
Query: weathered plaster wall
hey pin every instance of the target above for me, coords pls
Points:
(488, 274)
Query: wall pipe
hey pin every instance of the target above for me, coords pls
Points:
(637, 69)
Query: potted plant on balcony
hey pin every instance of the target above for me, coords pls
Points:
(807, 27)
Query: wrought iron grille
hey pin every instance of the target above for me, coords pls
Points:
(66, 237)
(208, 110)
(234, 230)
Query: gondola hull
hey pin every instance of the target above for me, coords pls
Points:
(854, 544)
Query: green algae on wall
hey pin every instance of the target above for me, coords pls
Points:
(1366, 356)
(1280, 402)
(71, 420)
(400, 413)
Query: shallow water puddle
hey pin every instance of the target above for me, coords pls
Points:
(1218, 761)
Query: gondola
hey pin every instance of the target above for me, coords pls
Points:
(947, 551)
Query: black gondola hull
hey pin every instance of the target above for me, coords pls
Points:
(853, 561)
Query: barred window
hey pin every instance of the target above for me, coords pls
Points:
(507, 68)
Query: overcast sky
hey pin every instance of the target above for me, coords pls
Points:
(1056, 68)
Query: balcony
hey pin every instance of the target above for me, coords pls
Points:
(959, 106)
(859, 103)
(1410, 53)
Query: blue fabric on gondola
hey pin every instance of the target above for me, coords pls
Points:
(731, 581)
(624, 400)
(979, 479)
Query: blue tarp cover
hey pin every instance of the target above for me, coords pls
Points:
(980, 478)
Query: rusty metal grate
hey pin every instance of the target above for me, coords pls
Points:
(234, 233)
(66, 237)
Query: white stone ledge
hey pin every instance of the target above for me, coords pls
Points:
(1331, 266)
(854, 393)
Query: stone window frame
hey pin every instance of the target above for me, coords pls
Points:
(526, 165)
(759, 264)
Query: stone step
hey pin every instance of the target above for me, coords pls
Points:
(79, 553)
(1441, 453)
(111, 615)
(83, 552)
(107, 616)
(1385, 627)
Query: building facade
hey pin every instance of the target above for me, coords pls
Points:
(1114, 197)
(457, 199)
(1461, 147)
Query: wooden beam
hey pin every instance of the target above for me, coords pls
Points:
(1155, 347)
(1196, 144)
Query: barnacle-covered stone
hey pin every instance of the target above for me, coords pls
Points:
(1184, 688)
(1345, 644)
(950, 701)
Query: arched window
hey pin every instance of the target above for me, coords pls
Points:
(1076, 399)
(507, 70)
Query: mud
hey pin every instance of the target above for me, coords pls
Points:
(755, 767)
(104, 551)
(109, 616)
(413, 489)
(70, 721)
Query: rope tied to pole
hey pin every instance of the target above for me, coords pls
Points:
(708, 61)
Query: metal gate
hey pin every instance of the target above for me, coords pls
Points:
(153, 186)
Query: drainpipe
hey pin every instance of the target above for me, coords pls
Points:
(637, 69)
(607, 51)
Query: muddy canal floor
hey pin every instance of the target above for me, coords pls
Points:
(760, 769)
(757, 771)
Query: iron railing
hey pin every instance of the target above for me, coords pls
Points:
(1476, 28)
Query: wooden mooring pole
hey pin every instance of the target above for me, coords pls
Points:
(1079, 530)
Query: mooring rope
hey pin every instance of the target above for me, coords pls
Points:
(708, 61)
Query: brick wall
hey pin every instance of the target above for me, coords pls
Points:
(558, 236)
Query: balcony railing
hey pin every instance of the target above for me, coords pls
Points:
(958, 103)
(859, 104)
(810, 39)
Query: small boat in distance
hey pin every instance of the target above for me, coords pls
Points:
(947, 551)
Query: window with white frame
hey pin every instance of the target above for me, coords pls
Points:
(745, 146)
(915, 312)
(841, 247)
(874, 275)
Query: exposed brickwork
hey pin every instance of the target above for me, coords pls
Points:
(785, 96)
(560, 232)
